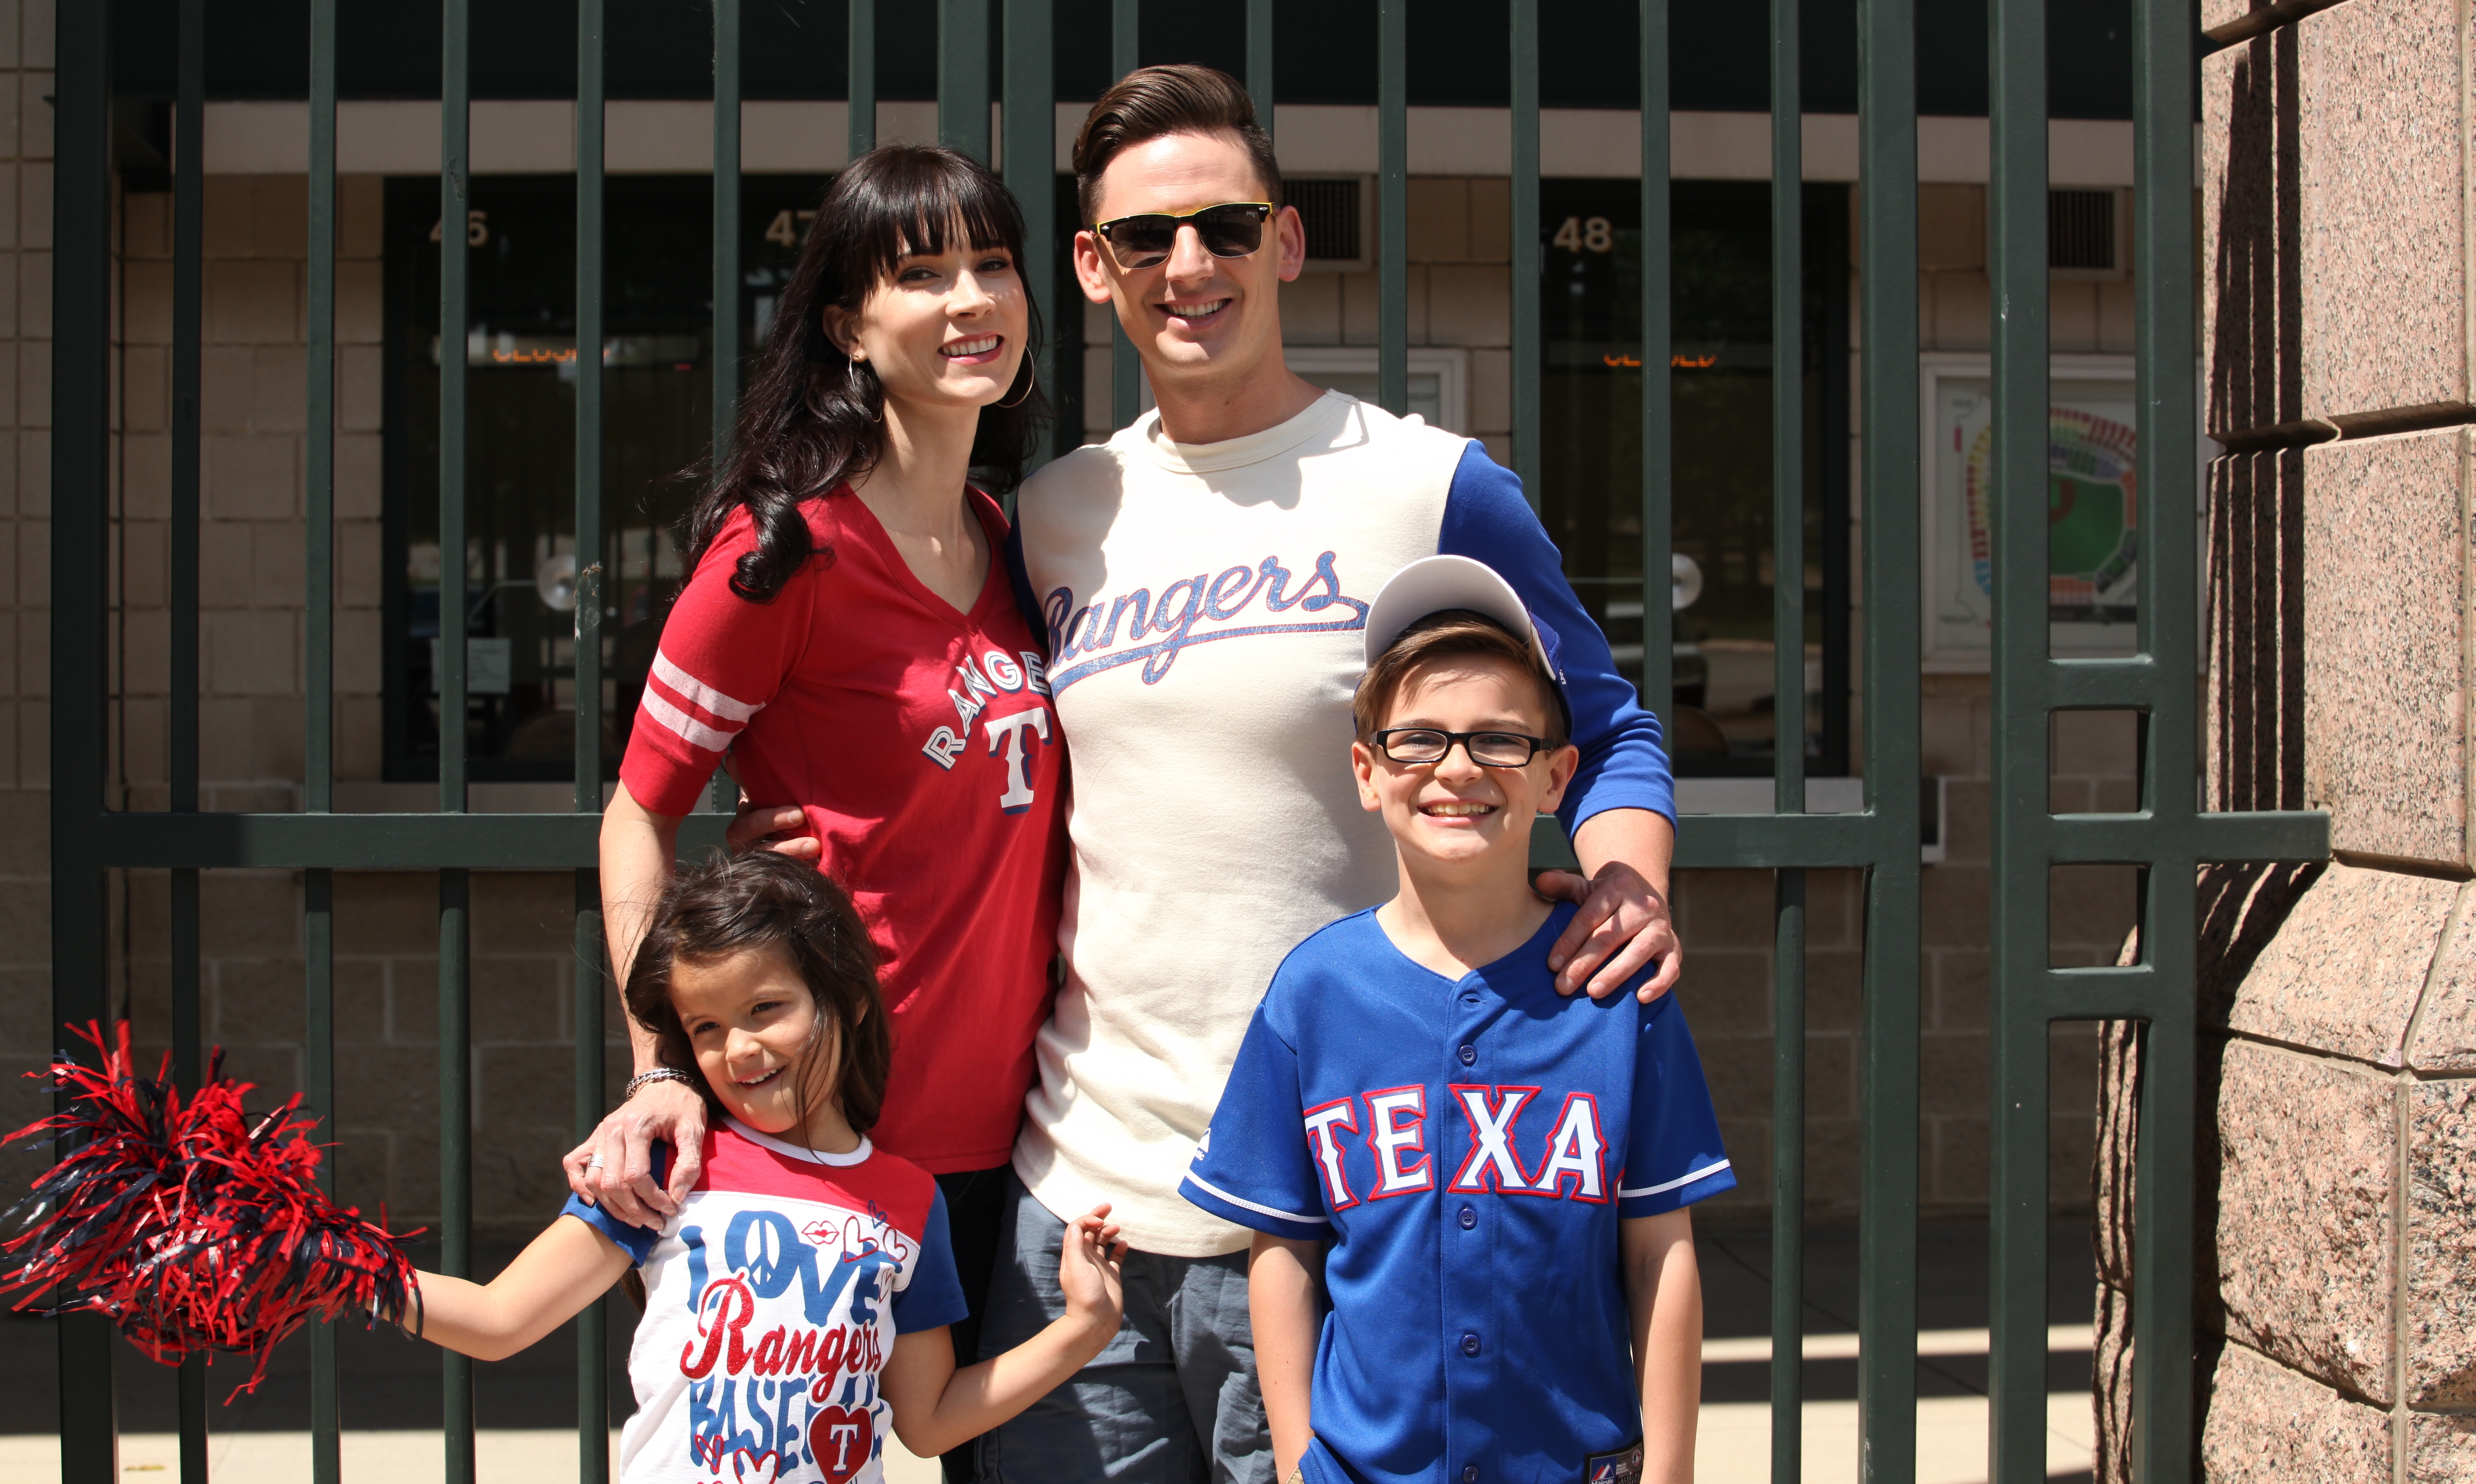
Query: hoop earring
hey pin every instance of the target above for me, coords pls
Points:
(1032, 366)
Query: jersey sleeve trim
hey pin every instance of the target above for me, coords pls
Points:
(637, 1242)
(697, 693)
(1663, 1186)
(1252, 1215)
(1672, 1194)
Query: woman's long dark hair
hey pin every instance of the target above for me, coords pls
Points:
(811, 417)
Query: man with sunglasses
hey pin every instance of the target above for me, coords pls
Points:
(1203, 579)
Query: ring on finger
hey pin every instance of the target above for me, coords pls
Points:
(596, 1162)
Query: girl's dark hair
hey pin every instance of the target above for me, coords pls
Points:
(764, 900)
(811, 417)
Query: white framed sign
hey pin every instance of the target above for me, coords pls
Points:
(2094, 508)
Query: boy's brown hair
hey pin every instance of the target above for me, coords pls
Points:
(1150, 102)
(754, 902)
(1442, 636)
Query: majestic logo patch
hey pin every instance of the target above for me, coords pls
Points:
(1196, 609)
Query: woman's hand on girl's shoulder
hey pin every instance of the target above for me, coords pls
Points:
(1091, 1263)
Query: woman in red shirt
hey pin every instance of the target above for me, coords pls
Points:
(850, 638)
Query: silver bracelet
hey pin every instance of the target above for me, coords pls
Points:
(658, 1074)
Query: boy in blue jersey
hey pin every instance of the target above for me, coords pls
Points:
(1490, 1179)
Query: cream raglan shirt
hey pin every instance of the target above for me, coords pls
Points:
(1204, 606)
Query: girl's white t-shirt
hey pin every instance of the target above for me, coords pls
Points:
(772, 1303)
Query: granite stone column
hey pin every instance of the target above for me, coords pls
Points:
(2338, 1300)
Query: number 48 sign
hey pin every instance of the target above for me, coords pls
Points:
(1585, 235)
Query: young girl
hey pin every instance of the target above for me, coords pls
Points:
(798, 1301)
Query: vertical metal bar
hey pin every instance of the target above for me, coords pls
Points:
(189, 252)
(1125, 368)
(2016, 210)
(1526, 338)
(318, 1037)
(1030, 158)
(318, 592)
(1788, 1176)
(963, 76)
(456, 1144)
(592, 1337)
(1259, 62)
(1887, 261)
(592, 1325)
(455, 267)
(863, 88)
(2162, 350)
(726, 224)
(1788, 746)
(589, 350)
(454, 1091)
(1788, 416)
(189, 1048)
(188, 215)
(80, 369)
(1658, 378)
(318, 753)
(1392, 206)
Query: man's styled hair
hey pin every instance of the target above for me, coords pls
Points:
(1150, 102)
(1442, 636)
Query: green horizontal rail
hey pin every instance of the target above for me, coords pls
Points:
(367, 841)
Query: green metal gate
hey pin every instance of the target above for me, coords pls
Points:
(2167, 836)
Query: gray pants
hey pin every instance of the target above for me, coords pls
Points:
(1171, 1401)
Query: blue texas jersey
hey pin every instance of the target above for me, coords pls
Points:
(1468, 1147)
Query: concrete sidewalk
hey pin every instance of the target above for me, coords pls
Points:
(1735, 1448)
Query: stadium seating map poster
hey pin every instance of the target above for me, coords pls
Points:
(2093, 514)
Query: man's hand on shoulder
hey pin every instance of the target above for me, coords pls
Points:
(1624, 924)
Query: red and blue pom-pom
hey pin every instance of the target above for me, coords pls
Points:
(192, 1224)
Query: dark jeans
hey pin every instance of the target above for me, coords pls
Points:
(1172, 1400)
(976, 1202)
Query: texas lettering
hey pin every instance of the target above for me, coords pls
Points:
(1375, 1143)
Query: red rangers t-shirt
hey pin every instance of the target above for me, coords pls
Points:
(921, 744)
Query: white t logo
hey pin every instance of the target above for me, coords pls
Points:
(1007, 731)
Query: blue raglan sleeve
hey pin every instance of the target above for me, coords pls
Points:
(637, 1242)
(1253, 1167)
(1623, 764)
(933, 1294)
(1673, 1157)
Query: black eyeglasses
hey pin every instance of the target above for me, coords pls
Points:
(1416, 745)
(1231, 229)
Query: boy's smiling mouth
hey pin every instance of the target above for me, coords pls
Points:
(1456, 808)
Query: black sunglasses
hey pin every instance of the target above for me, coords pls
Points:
(1233, 229)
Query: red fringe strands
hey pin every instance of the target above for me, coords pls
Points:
(192, 1224)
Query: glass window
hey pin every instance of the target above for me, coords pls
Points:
(1592, 457)
(520, 463)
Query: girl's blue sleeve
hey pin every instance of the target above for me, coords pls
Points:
(1623, 765)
